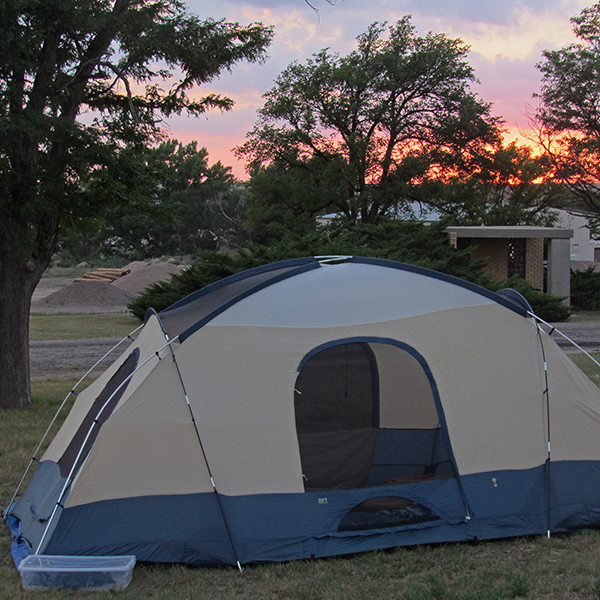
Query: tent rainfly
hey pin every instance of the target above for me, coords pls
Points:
(318, 407)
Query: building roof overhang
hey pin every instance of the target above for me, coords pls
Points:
(513, 231)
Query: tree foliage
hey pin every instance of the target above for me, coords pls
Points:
(513, 187)
(367, 126)
(81, 81)
(568, 117)
(183, 205)
(585, 289)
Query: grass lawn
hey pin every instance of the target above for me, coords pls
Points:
(564, 567)
(585, 316)
(75, 326)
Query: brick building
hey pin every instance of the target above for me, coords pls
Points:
(520, 250)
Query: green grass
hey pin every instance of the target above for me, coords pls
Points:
(581, 316)
(564, 567)
(591, 369)
(75, 326)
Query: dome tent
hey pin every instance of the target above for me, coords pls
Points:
(317, 407)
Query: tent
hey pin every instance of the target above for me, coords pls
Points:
(319, 407)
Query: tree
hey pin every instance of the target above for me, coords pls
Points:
(79, 81)
(284, 200)
(513, 188)
(369, 125)
(568, 117)
(187, 205)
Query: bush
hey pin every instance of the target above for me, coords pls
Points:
(546, 306)
(585, 289)
(414, 243)
(411, 242)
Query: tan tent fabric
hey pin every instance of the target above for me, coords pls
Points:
(149, 447)
(490, 423)
(574, 408)
(343, 300)
(240, 381)
(242, 399)
(150, 339)
(442, 399)
(406, 399)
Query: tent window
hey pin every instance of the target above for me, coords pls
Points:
(336, 390)
(366, 416)
(383, 512)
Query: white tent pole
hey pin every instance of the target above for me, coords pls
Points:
(59, 410)
(68, 480)
(576, 345)
(546, 393)
(212, 480)
(566, 337)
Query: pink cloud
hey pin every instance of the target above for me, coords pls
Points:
(506, 42)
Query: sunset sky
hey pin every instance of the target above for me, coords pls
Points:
(506, 39)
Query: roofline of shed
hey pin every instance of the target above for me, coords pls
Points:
(514, 231)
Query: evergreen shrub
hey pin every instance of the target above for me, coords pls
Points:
(585, 289)
(403, 241)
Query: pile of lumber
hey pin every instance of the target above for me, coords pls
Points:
(108, 275)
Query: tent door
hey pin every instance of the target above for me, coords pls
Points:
(366, 415)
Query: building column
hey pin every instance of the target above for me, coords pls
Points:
(559, 268)
(534, 263)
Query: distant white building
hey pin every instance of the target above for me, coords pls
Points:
(583, 247)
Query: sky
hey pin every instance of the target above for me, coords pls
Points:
(506, 40)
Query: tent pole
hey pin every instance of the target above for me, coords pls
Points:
(71, 474)
(546, 393)
(59, 410)
(212, 481)
(566, 337)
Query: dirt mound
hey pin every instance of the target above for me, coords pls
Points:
(58, 295)
(142, 275)
(89, 296)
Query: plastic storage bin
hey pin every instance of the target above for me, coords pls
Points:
(93, 573)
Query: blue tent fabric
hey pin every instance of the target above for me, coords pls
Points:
(276, 527)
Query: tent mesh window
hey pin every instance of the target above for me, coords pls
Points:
(366, 416)
(379, 513)
(100, 411)
(336, 416)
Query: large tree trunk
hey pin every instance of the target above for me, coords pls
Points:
(17, 283)
(23, 260)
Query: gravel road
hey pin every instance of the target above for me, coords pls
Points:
(69, 358)
(62, 359)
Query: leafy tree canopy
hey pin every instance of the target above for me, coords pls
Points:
(368, 125)
(183, 205)
(513, 188)
(568, 117)
(81, 81)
